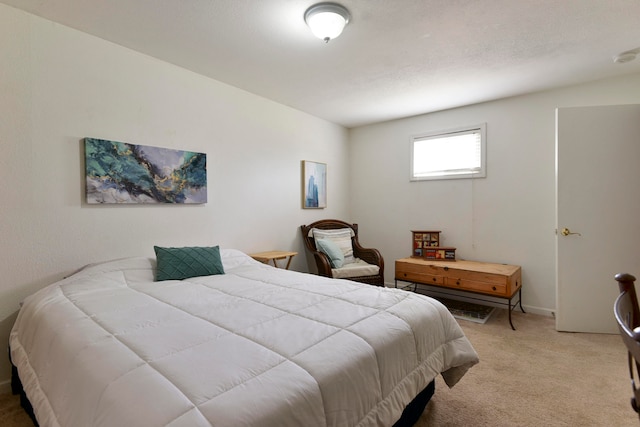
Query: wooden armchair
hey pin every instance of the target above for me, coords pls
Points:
(628, 318)
(351, 271)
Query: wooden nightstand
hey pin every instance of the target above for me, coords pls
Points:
(273, 256)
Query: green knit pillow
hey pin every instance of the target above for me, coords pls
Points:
(183, 263)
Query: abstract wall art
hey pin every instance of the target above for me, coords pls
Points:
(314, 185)
(118, 172)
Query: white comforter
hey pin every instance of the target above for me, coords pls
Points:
(257, 346)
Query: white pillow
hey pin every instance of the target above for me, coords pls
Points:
(341, 237)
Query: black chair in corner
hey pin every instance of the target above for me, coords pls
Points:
(628, 318)
(369, 255)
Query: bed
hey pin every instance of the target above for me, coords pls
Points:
(255, 346)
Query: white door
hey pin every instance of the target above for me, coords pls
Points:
(598, 197)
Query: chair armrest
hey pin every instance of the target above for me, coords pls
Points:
(323, 264)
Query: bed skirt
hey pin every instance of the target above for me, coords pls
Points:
(415, 408)
(16, 388)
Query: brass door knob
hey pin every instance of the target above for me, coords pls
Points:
(565, 232)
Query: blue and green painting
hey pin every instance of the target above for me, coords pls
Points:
(119, 172)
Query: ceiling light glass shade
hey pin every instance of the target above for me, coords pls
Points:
(627, 56)
(326, 20)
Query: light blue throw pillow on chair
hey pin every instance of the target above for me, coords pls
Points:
(332, 250)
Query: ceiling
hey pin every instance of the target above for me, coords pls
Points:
(396, 58)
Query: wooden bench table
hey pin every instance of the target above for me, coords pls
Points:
(479, 278)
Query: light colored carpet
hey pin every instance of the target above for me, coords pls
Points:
(534, 376)
(11, 413)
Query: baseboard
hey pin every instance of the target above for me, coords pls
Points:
(539, 310)
(401, 285)
(5, 387)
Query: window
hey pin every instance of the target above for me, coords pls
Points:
(456, 153)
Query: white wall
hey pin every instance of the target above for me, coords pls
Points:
(59, 85)
(508, 217)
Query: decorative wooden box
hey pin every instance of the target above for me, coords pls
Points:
(426, 245)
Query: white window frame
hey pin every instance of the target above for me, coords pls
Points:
(477, 171)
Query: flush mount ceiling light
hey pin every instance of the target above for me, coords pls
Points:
(627, 56)
(327, 20)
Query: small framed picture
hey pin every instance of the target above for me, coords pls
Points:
(314, 185)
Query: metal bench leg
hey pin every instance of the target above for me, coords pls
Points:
(511, 309)
(520, 300)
